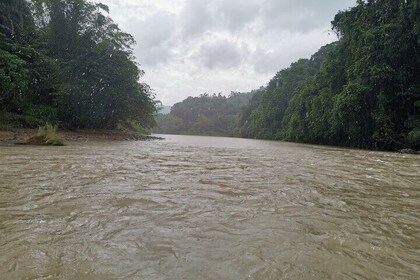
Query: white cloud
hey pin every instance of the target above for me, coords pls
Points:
(188, 47)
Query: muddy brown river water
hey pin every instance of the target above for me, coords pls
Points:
(192, 207)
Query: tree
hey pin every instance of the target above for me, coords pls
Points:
(204, 115)
(67, 61)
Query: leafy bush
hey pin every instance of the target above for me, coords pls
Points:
(132, 126)
(44, 113)
(135, 126)
(413, 137)
(8, 120)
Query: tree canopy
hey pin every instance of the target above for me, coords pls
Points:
(66, 61)
(204, 115)
(361, 91)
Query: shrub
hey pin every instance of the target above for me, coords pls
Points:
(11, 120)
(132, 126)
(48, 134)
(43, 112)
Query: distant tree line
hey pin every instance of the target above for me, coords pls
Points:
(67, 62)
(361, 91)
(204, 115)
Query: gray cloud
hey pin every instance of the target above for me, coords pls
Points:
(267, 61)
(188, 47)
(196, 17)
(300, 15)
(221, 54)
(236, 14)
(199, 16)
(286, 49)
(154, 36)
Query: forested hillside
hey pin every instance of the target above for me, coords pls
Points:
(366, 93)
(262, 118)
(204, 115)
(362, 91)
(67, 62)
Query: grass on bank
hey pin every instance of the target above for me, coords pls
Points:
(46, 135)
(49, 134)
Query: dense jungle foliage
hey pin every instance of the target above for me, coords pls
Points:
(204, 115)
(67, 62)
(362, 91)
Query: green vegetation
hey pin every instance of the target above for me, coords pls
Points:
(48, 134)
(134, 126)
(11, 120)
(365, 93)
(204, 115)
(67, 62)
(262, 118)
(362, 91)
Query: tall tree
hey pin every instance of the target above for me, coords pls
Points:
(67, 61)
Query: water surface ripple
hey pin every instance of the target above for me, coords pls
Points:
(208, 208)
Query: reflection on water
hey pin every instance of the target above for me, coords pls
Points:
(208, 208)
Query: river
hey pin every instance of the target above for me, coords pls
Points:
(192, 207)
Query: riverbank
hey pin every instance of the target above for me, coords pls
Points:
(16, 135)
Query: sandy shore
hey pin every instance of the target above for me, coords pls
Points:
(18, 135)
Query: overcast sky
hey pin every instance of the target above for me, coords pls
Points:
(190, 47)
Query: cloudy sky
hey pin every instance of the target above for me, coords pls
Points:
(190, 47)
